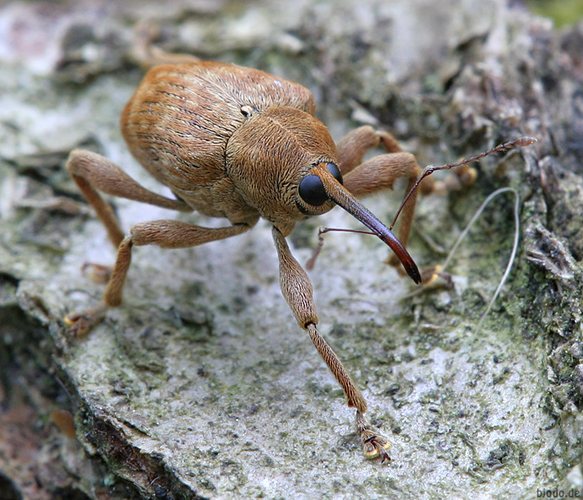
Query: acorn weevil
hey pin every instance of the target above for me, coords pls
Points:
(240, 144)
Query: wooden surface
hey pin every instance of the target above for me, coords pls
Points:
(201, 384)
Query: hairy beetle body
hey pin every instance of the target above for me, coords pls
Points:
(181, 119)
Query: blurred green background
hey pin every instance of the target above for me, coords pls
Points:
(562, 12)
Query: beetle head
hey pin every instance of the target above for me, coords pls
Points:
(269, 155)
(283, 163)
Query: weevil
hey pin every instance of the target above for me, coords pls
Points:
(240, 144)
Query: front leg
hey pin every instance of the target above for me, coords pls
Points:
(298, 292)
(380, 172)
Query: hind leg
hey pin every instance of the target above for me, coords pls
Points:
(93, 173)
(163, 233)
(146, 54)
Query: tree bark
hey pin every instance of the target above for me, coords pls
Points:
(201, 384)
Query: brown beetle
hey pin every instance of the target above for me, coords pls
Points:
(240, 144)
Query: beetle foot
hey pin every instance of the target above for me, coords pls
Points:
(80, 324)
(374, 445)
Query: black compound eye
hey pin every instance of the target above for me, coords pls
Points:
(312, 190)
(335, 171)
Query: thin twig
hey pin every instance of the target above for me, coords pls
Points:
(464, 233)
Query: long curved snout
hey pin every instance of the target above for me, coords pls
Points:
(342, 197)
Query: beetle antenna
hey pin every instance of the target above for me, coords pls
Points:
(311, 262)
(501, 148)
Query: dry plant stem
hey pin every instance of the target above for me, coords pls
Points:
(440, 269)
(512, 257)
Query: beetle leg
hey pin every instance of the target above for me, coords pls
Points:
(354, 145)
(163, 233)
(93, 172)
(380, 173)
(298, 292)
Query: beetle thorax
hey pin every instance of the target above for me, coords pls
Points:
(268, 156)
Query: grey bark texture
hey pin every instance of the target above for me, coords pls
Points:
(201, 384)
